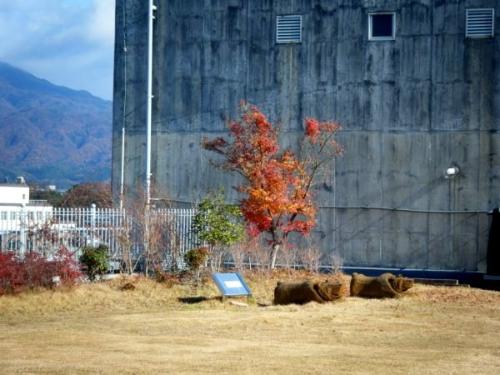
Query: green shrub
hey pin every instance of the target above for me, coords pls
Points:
(218, 225)
(195, 258)
(94, 260)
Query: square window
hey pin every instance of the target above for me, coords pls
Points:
(381, 26)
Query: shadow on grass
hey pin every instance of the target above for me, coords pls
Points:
(197, 299)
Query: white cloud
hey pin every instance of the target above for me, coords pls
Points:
(101, 26)
(68, 42)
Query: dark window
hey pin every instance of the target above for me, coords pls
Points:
(381, 26)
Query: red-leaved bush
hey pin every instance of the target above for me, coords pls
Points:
(35, 271)
(10, 274)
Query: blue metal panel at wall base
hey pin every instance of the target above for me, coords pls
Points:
(491, 282)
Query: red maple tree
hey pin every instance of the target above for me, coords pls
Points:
(277, 185)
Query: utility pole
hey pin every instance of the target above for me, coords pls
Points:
(124, 110)
(122, 169)
(147, 207)
(151, 10)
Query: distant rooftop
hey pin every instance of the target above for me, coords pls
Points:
(12, 184)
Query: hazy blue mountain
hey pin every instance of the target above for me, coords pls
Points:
(50, 133)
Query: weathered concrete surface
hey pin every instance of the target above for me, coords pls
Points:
(410, 108)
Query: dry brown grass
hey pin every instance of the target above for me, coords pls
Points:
(102, 329)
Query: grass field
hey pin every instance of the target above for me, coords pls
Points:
(101, 329)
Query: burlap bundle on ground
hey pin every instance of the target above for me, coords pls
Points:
(308, 291)
(386, 285)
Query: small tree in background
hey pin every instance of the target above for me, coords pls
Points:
(196, 260)
(53, 197)
(84, 195)
(158, 229)
(277, 186)
(218, 224)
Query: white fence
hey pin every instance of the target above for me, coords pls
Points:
(167, 232)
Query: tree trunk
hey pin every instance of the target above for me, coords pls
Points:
(274, 253)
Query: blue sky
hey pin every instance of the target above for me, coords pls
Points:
(68, 42)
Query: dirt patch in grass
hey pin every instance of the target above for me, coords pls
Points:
(100, 328)
(465, 296)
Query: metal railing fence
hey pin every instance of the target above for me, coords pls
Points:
(166, 232)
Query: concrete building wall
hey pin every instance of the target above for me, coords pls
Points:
(410, 108)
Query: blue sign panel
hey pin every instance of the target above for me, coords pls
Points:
(231, 284)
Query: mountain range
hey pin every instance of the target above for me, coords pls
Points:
(52, 134)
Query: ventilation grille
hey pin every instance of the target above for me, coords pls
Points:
(480, 23)
(289, 29)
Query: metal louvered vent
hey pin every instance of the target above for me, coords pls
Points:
(480, 23)
(289, 29)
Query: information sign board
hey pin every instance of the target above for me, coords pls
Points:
(231, 284)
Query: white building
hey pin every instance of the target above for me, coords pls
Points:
(14, 194)
(18, 214)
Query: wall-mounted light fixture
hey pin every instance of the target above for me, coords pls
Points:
(452, 172)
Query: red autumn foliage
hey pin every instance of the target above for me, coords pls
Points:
(35, 271)
(277, 185)
(312, 129)
(11, 279)
(66, 266)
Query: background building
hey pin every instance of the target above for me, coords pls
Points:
(18, 213)
(415, 84)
